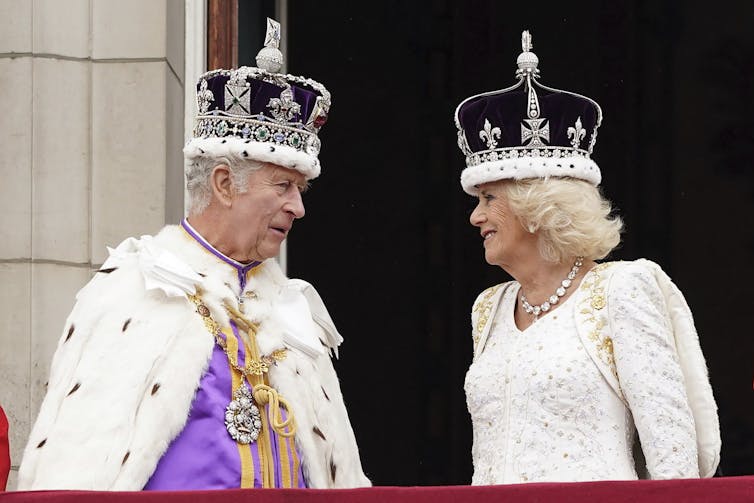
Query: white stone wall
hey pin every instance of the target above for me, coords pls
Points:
(91, 94)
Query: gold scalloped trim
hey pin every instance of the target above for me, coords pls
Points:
(254, 366)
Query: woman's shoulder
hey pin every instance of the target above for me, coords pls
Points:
(628, 281)
(488, 293)
(629, 271)
(484, 308)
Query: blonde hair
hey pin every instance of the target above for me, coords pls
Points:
(570, 216)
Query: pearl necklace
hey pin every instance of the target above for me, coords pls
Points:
(554, 298)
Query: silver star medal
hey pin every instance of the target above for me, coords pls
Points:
(242, 418)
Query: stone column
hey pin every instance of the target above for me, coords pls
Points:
(92, 126)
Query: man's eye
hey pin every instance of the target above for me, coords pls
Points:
(488, 197)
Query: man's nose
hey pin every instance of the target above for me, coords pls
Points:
(295, 205)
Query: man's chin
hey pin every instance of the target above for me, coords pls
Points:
(269, 252)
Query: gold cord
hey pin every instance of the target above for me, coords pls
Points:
(264, 394)
(256, 366)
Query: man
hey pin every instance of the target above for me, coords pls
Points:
(190, 361)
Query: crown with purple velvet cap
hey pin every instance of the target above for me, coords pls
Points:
(527, 130)
(258, 113)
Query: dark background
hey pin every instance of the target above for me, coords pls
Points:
(387, 241)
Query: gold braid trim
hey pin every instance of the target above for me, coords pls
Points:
(256, 367)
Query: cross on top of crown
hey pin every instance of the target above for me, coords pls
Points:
(526, 41)
(272, 37)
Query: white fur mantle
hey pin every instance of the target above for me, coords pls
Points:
(127, 367)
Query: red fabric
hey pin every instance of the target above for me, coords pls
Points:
(4, 450)
(727, 489)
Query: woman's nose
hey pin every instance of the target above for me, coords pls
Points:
(477, 217)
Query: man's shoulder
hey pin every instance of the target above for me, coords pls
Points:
(109, 286)
(121, 274)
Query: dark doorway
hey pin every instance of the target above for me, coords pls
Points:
(386, 239)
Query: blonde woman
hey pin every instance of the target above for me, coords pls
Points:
(582, 370)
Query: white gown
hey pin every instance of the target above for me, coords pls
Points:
(542, 410)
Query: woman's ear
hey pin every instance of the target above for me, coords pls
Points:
(221, 181)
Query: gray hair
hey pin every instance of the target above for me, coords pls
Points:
(198, 173)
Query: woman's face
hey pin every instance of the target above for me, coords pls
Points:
(505, 239)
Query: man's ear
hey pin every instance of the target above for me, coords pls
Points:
(221, 181)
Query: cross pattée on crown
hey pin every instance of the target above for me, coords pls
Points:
(535, 132)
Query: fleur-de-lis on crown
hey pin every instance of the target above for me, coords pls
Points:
(576, 133)
(490, 134)
(284, 108)
(204, 97)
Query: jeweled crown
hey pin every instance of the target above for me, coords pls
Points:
(258, 105)
(527, 130)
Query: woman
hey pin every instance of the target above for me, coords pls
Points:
(580, 369)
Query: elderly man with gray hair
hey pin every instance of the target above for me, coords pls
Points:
(190, 361)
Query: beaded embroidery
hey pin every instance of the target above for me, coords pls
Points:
(484, 308)
(594, 319)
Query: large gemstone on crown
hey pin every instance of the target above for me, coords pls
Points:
(320, 120)
(262, 133)
(221, 128)
(294, 140)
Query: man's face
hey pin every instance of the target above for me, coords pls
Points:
(264, 214)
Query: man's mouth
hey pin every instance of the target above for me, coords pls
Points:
(282, 230)
(487, 234)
